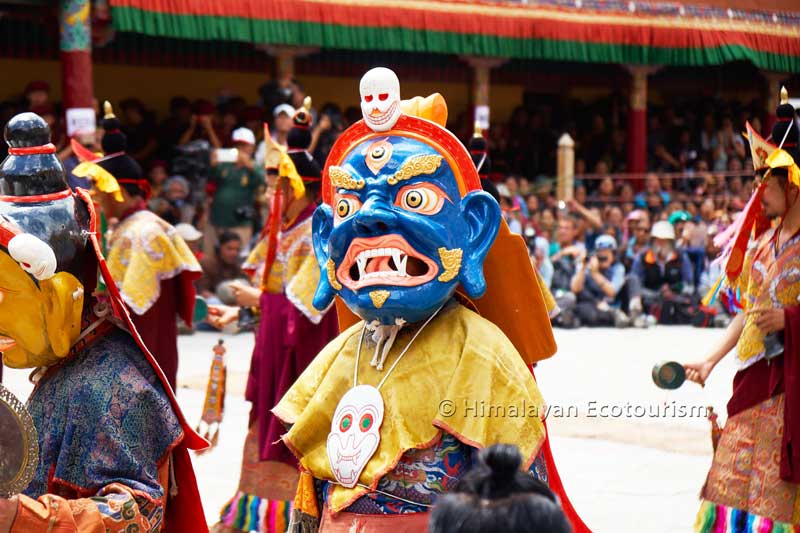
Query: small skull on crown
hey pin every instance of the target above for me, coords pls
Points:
(380, 98)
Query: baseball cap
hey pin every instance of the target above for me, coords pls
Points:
(283, 108)
(605, 242)
(243, 135)
(188, 232)
(680, 216)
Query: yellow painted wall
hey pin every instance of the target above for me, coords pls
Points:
(155, 86)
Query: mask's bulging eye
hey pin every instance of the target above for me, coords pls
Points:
(383, 96)
(366, 422)
(346, 423)
(346, 206)
(368, 98)
(423, 198)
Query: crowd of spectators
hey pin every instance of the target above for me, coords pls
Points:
(628, 261)
(622, 252)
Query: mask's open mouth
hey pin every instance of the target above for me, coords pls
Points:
(384, 260)
(378, 118)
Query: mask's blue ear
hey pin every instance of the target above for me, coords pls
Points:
(482, 213)
(321, 227)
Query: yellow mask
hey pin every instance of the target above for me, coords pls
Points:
(38, 323)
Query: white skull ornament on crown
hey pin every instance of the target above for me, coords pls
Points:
(355, 433)
(380, 98)
(34, 256)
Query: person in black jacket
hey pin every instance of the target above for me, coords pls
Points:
(662, 279)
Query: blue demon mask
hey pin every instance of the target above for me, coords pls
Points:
(403, 224)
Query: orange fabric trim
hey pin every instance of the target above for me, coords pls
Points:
(444, 142)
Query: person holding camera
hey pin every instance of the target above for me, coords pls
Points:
(596, 284)
(236, 181)
(289, 333)
(662, 279)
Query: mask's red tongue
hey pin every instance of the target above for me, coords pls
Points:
(379, 264)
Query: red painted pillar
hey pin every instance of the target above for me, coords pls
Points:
(76, 65)
(637, 120)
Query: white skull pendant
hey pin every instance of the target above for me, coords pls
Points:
(355, 433)
(380, 98)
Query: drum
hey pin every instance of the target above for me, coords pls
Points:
(669, 375)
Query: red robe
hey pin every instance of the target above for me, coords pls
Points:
(154, 271)
(158, 327)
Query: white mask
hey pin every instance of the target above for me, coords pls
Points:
(355, 433)
(380, 98)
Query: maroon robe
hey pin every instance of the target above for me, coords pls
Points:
(158, 327)
(770, 377)
(286, 342)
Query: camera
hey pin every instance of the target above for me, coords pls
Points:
(193, 161)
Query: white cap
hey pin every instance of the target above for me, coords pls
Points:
(283, 108)
(188, 232)
(243, 135)
(663, 230)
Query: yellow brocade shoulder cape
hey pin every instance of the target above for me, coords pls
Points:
(766, 281)
(459, 372)
(143, 251)
(295, 271)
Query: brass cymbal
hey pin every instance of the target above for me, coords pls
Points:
(19, 445)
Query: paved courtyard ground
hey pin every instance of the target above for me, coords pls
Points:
(632, 457)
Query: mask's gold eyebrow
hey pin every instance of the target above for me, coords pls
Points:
(416, 166)
(342, 179)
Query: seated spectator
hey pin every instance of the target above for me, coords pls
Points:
(548, 225)
(626, 194)
(157, 175)
(652, 188)
(590, 222)
(682, 223)
(541, 260)
(597, 284)
(711, 273)
(604, 194)
(517, 201)
(223, 265)
(635, 237)
(570, 251)
(496, 496)
(662, 281)
(177, 192)
(511, 212)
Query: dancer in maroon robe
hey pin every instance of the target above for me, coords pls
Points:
(290, 334)
(153, 267)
